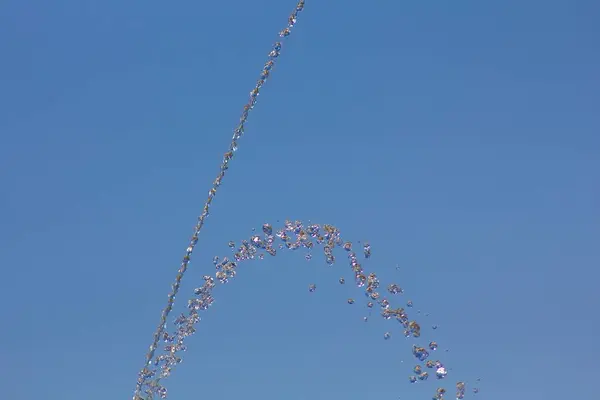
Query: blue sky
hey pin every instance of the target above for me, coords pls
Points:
(457, 137)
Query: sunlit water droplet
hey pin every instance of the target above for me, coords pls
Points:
(441, 373)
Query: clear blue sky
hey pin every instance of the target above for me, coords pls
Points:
(460, 138)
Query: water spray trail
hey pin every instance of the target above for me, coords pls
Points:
(307, 238)
(238, 132)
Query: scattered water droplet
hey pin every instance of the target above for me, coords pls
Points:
(441, 373)
(395, 289)
(460, 390)
(367, 250)
(420, 353)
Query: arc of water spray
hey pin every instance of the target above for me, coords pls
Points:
(238, 132)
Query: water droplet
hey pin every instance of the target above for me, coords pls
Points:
(312, 288)
(267, 229)
(387, 335)
(395, 289)
(420, 353)
(441, 373)
(460, 390)
(367, 250)
(350, 301)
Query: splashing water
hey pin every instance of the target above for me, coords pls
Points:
(144, 375)
(292, 236)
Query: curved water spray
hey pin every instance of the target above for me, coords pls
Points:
(294, 236)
